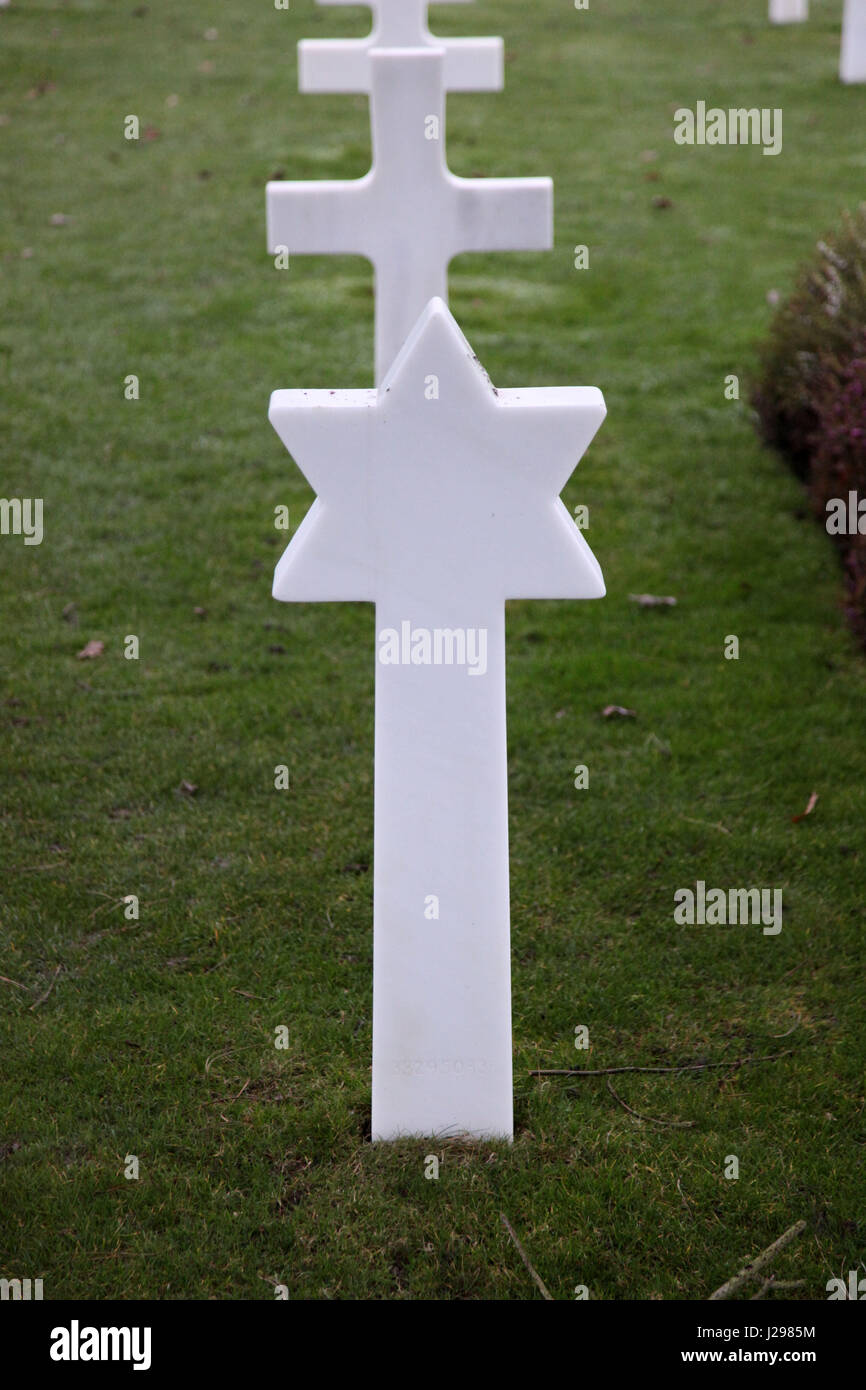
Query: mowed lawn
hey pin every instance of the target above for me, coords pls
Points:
(155, 1037)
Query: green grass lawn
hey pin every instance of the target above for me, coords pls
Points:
(157, 1036)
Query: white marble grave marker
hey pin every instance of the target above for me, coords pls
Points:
(437, 500)
(852, 64)
(788, 11)
(343, 65)
(409, 215)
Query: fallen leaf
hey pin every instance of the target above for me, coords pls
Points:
(620, 711)
(58, 219)
(187, 788)
(813, 799)
(92, 649)
(200, 612)
(653, 601)
(661, 202)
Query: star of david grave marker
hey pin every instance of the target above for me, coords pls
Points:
(438, 508)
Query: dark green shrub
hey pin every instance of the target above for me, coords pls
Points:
(813, 338)
(810, 396)
(839, 470)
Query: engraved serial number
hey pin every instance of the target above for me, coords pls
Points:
(453, 1066)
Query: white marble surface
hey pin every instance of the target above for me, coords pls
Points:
(437, 500)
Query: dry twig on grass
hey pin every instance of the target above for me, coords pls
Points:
(43, 997)
(773, 1283)
(525, 1258)
(755, 1266)
(687, 1066)
(673, 1124)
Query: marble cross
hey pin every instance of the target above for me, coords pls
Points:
(437, 500)
(409, 215)
(343, 65)
(852, 64)
(789, 11)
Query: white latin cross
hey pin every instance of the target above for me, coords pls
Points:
(852, 64)
(409, 215)
(789, 11)
(437, 500)
(343, 65)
